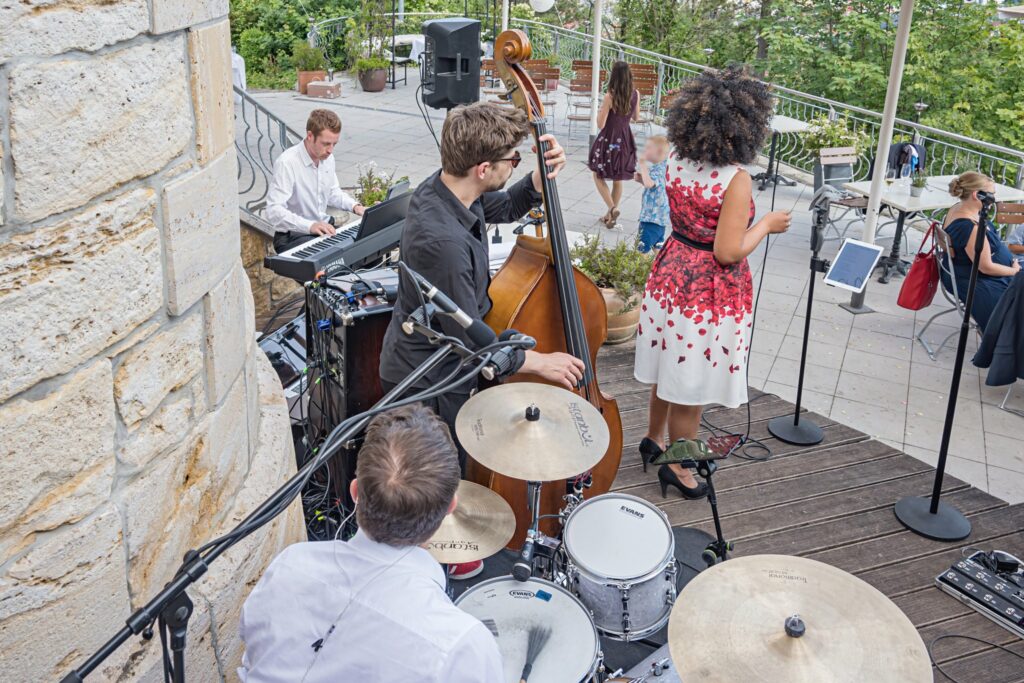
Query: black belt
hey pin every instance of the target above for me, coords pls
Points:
(703, 246)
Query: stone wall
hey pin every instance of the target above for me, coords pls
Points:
(269, 291)
(137, 417)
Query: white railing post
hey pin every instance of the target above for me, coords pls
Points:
(595, 68)
(661, 85)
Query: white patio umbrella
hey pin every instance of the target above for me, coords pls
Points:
(892, 98)
(504, 15)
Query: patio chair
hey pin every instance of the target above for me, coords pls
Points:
(647, 85)
(944, 247)
(1009, 216)
(841, 158)
(1002, 406)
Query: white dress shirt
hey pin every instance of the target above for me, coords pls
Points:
(392, 621)
(300, 191)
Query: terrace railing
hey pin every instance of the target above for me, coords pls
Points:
(946, 153)
(260, 137)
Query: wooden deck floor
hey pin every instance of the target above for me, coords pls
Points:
(833, 502)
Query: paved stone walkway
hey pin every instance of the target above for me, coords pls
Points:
(863, 371)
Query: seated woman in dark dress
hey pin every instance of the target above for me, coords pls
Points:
(997, 265)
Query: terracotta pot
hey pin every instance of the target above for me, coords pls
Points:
(373, 80)
(621, 324)
(306, 76)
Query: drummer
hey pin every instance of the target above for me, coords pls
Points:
(373, 608)
(445, 241)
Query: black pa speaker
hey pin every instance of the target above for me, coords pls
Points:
(451, 62)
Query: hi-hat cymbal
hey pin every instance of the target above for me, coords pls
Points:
(533, 432)
(481, 524)
(730, 624)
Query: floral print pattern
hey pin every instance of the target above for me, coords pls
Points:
(695, 321)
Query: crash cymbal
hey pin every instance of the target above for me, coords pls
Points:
(730, 624)
(481, 524)
(533, 432)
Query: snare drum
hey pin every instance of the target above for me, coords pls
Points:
(620, 557)
(509, 608)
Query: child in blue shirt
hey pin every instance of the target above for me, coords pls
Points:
(654, 214)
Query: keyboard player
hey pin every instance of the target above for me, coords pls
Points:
(305, 184)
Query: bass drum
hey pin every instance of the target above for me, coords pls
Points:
(509, 608)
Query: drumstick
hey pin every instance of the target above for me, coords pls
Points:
(536, 641)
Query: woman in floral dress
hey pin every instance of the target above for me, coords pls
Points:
(695, 321)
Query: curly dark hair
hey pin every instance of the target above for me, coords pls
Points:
(720, 117)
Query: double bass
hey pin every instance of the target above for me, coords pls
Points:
(540, 293)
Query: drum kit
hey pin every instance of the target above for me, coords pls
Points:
(612, 574)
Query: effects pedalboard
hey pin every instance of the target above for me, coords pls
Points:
(990, 583)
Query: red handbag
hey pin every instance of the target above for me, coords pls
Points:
(922, 281)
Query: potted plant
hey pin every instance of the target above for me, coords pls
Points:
(621, 272)
(917, 184)
(372, 185)
(826, 133)
(309, 62)
(373, 73)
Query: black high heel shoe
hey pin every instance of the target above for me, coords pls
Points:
(667, 477)
(649, 450)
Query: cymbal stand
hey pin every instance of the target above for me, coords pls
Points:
(524, 567)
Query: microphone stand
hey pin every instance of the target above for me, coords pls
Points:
(930, 517)
(172, 606)
(794, 430)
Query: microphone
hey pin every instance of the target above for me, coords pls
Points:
(986, 198)
(477, 331)
(507, 360)
(522, 570)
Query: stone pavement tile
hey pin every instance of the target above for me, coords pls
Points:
(782, 283)
(898, 326)
(947, 357)
(1006, 484)
(816, 377)
(995, 395)
(760, 364)
(936, 378)
(767, 342)
(875, 421)
(1001, 422)
(772, 321)
(821, 331)
(1006, 452)
(877, 391)
(971, 471)
(773, 301)
(811, 400)
(880, 344)
(818, 353)
(967, 440)
(889, 370)
(825, 311)
(933, 404)
(898, 445)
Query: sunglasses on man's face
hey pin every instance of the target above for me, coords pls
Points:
(513, 160)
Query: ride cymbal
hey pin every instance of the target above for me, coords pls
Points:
(481, 524)
(533, 432)
(735, 622)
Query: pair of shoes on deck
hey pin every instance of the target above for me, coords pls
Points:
(649, 450)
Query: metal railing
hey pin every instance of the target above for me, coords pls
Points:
(946, 153)
(260, 136)
(329, 35)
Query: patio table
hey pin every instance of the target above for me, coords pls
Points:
(780, 125)
(935, 197)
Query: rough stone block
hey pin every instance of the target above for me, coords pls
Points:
(167, 427)
(124, 115)
(329, 90)
(49, 27)
(171, 15)
(227, 458)
(58, 600)
(230, 330)
(70, 290)
(252, 398)
(209, 50)
(201, 239)
(56, 455)
(158, 366)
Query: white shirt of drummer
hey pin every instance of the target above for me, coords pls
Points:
(396, 623)
(300, 191)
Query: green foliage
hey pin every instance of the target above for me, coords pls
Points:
(919, 180)
(305, 57)
(825, 134)
(620, 267)
(364, 64)
(373, 185)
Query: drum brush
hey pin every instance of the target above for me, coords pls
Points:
(536, 640)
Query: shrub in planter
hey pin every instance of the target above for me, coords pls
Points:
(917, 184)
(309, 62)
(621, 272)
(373, 185)
(373, 73)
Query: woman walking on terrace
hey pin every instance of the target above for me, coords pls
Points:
(613, 154)
(696, 315)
